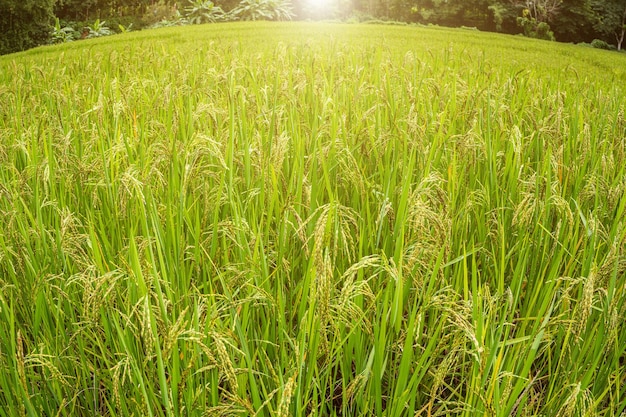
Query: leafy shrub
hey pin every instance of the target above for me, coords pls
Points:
(97, 29)
(263, 10)
(122, 24)
(204, 11)
(534, 29)
(125, 29)
(544, 32)
(600, 44)
(63, 33)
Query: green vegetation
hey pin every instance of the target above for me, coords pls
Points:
(312, 219)
(24, 25)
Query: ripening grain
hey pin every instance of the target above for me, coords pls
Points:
(312, 219)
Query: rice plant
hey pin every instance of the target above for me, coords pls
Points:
(298, 219)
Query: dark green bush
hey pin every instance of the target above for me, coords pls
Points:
(534, 29)
(24, 24)
(600, 44)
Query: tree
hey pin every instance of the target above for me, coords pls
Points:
(437, 11)
(476, 13)
(611, 19)
(84, 10)
(543, 10)
(24, 24)
(574, 22)
(533, 28)
(537, 16)
(75, 9)
(504, 14)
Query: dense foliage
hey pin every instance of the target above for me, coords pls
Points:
(29, 23)
(302, 219)
(24, 24)
(91, 9)
(611, 19)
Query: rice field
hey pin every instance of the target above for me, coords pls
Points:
(312, 219)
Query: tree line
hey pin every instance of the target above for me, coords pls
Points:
(28, 23)
(562, 20)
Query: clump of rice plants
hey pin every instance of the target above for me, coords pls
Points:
(312, 219)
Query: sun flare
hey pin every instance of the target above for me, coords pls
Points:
(318, 5)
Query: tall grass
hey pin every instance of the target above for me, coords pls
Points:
(308, 219)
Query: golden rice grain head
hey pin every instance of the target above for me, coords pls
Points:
(354, 387)
(285, 400)
(46, 361)
(146, 328)
(569, 406)
(121, 371)
(586, 303)
(20, 361)
(174, 332)
(226, 365)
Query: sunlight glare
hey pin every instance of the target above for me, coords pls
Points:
(318, 6)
